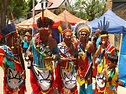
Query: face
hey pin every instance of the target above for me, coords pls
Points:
(98, 32)
(44, 35)
(67, 37)
(12, 41)
(104, 40)
(111, 65)
(28, 37)
(83, 36)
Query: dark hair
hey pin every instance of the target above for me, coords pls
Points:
(104, 32)
(113, 58)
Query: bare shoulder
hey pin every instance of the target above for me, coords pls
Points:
(52, 41)
(90, 43)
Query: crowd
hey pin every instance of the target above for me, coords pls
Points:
(66, 67)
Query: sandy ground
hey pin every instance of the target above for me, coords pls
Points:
(121, 90)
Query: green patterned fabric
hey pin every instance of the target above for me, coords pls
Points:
(9, 63)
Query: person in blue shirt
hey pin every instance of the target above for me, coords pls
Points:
(26, 41)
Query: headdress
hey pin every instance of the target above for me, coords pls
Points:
(64, 27)
(9, 30)
(103, 26)
(44, 24)
(81, 26)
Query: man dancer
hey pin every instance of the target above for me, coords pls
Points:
(101, 57)
(68, 52)
(85, 53)
(45, 53)
(13, 65)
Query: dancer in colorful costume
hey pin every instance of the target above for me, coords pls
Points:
(85, 53)
(68, 52)
(13, 65)
(101, 57)
(45, 55)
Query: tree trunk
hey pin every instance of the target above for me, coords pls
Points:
(4, 5)
(108, 5)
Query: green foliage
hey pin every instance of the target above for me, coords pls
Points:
(30, 7)
(18, 8)
(89, 9)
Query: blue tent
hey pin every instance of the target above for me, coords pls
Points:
(122, 61)
(116, 24)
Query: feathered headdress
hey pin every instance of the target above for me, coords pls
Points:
(103, 26)
(9, 30)
(63, 27)
(46, 25)
(81, 26)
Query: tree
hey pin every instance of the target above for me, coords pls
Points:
(30, 7)
(17, 7)
(89, 9)
(3, 11)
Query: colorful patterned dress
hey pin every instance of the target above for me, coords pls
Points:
(42, 74)
(103, 60)
(68, 69)
(14, 74)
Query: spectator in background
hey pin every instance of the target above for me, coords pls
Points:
(26, 41)
(98, 36)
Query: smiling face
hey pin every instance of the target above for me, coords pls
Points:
(111, 64)
(83, 36)
(67, 37)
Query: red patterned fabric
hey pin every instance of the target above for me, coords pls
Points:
(36, 87)
(83, 67)
(43, 30)
(8, 90)
(66, 30)
(18, 65)
(1, 56)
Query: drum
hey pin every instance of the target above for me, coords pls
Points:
(44, 77)
(101, 81)
(44, 74)
(68, 72)
(14, 78)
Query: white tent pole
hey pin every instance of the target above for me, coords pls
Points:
(120, 47)
(33, 14)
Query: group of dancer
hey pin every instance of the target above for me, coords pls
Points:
(63, 68)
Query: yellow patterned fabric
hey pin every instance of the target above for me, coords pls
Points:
(80, 81)
(101, 65)
(114, 79)
(48, 64)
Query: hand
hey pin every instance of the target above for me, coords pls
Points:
(54, 56)
(29, 54)
(69, 59)
(93, 67)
